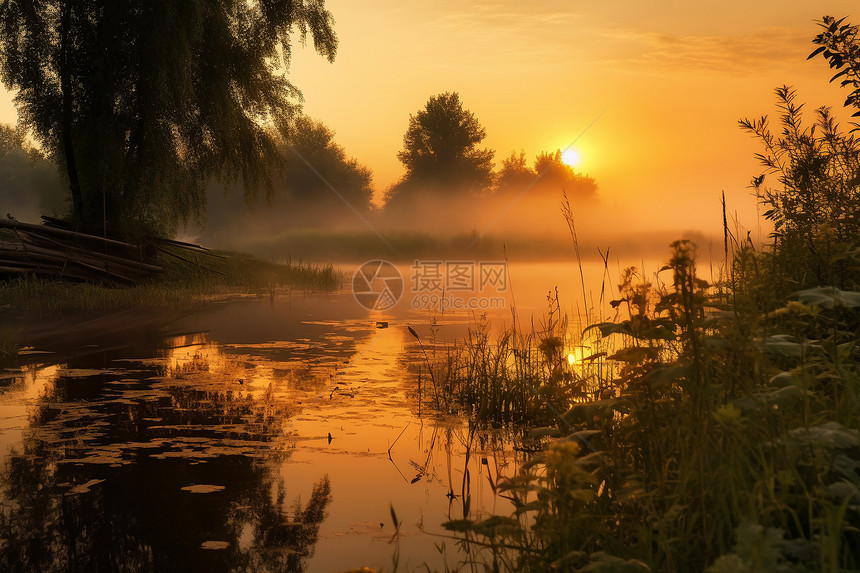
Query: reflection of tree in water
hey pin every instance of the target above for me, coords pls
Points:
(282, 543)
(121, 524)
(150, 438)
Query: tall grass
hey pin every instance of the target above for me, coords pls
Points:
(709, 438)
(721, 431)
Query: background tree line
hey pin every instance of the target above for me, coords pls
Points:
(151, 111)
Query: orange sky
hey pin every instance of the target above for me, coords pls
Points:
(671, 79)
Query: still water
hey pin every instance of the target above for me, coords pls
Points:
(263, 434)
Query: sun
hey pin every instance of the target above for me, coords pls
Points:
(570, 157)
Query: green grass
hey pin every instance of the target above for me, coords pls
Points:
(703, 432)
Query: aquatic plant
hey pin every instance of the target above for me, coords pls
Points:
(707, 424)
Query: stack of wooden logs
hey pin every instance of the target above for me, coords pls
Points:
(53, 250)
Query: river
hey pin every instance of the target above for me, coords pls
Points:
(283, 432)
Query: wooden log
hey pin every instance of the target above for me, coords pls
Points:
(43, 229)
(131, 263)
(61, 263)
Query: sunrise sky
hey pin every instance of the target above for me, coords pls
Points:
(670, 79)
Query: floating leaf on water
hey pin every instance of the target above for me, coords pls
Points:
(202, 488)
(214, 545)
(497, 525)
(85, 487)
(459, 525)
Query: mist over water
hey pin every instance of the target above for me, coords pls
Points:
(524, 225)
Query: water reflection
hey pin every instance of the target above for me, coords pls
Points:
(158, 453)
(250, 437)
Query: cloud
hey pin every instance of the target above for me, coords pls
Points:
(749, 52)
(503, 34)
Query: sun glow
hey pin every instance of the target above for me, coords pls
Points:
(570, 157)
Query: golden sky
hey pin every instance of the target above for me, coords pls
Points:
(670, 79)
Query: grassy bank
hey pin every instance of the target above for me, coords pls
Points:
(188, 279)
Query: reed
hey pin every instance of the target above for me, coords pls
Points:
(714, 435)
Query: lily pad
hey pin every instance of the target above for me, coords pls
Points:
(202, 488)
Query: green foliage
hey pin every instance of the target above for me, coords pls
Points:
(140, 104)
(518, 378)
(440, 151)
(815, 204)
(709, 438)
(838, 44)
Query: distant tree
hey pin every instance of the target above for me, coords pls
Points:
(301, 197)
(549, 176)
(440, 150)
(140, 103)
(515, 173)
(556, 176)
(329, 165)
(29, 183)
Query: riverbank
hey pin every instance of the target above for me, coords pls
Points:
(30, 305)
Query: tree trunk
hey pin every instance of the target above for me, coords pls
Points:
(66, 124)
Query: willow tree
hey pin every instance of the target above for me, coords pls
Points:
(139, 102)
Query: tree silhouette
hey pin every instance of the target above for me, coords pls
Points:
(321, 192)
(440, 151)
(327, 164)
(29, 182)
(515, 174)
(140, 103)
(549, 176)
